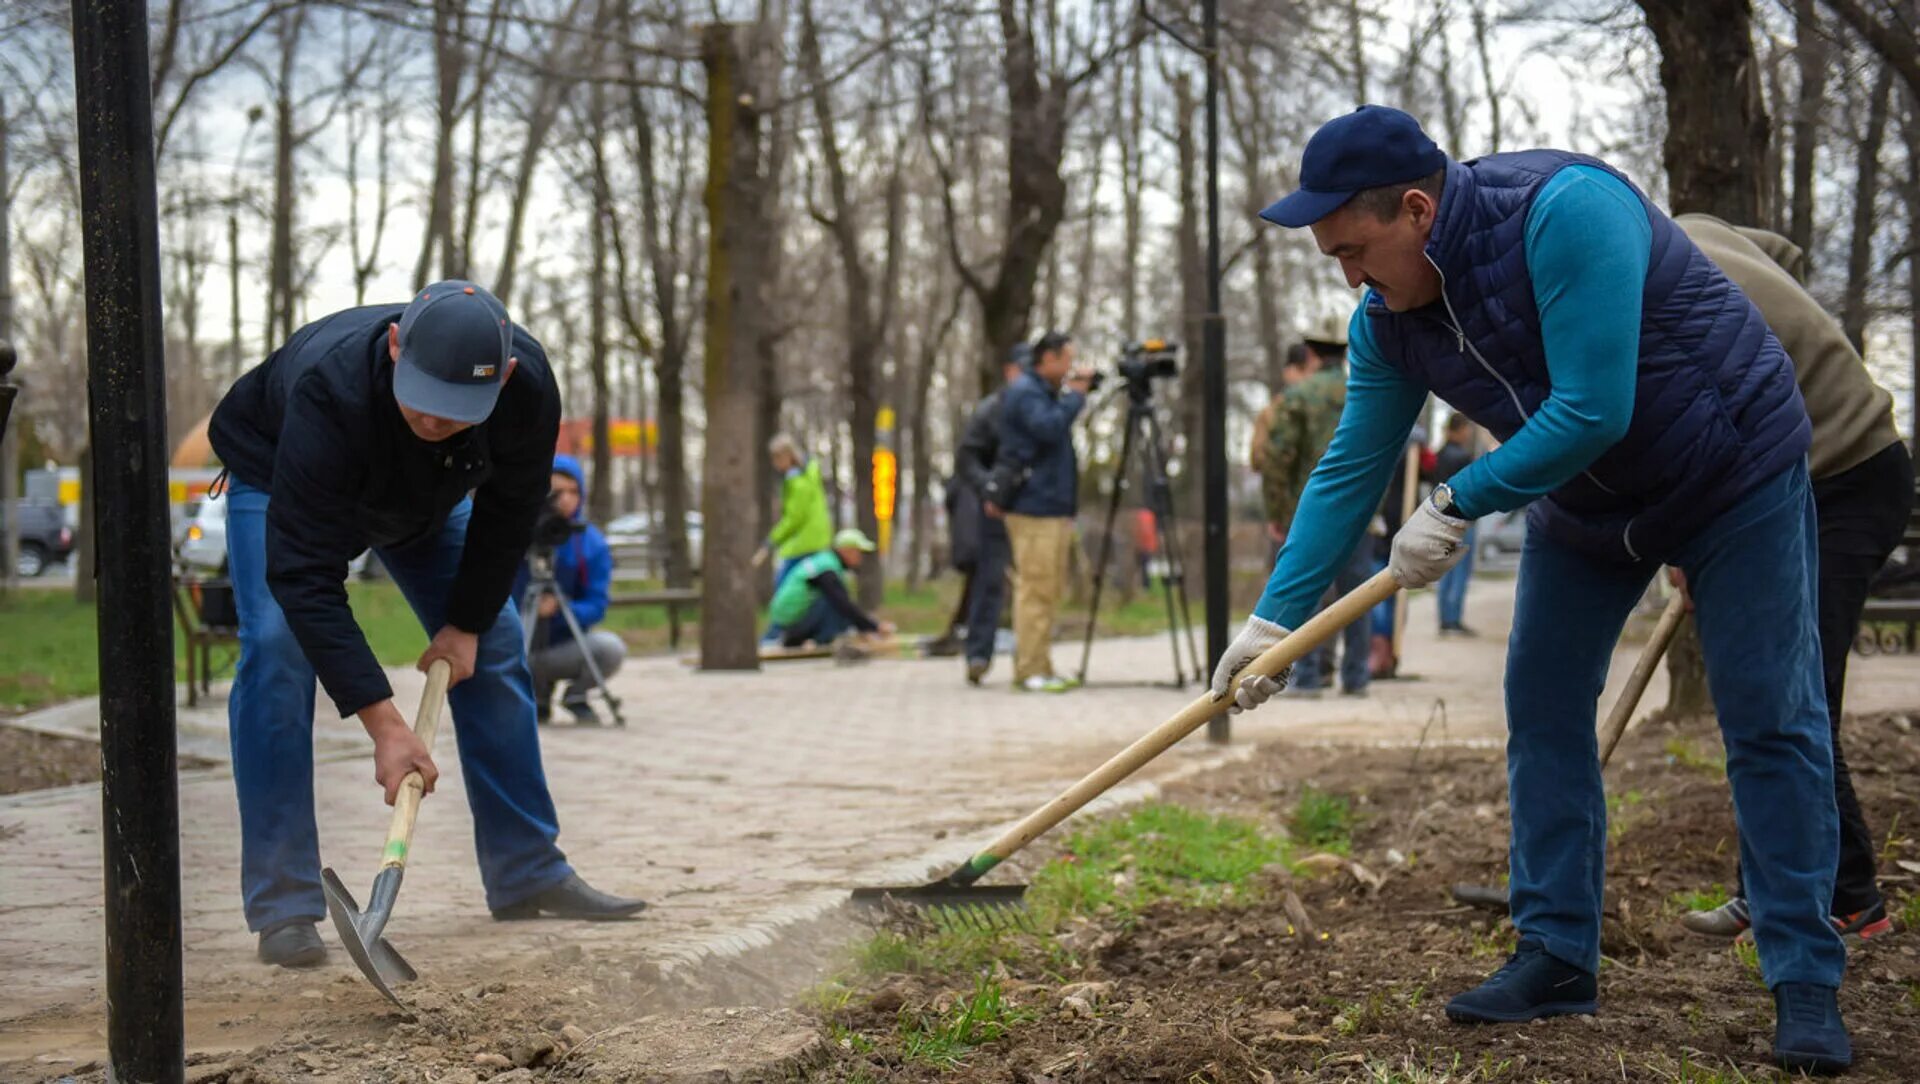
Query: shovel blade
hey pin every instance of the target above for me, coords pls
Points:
(377, 959)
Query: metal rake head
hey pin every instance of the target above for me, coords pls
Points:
(941, 907)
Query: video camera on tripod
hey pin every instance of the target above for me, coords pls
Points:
(1141, 363)
(553, 528)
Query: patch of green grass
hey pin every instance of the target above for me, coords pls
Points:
(49, 649)
(942, 1040)
(1324, 821)
(1686, 754)
(1712, 897)
(1430, 1071)
(1913, 996)
(1497, 942)
(1156, 852)
(1748, 953)
(1621, 817)
(947, 949)
(1908, 911)
(1690, 1071)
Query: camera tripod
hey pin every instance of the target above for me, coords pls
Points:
(1142, 433)
(540, 582)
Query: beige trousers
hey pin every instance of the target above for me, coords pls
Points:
(1039, 576)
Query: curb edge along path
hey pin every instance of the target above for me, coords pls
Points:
(739, 805)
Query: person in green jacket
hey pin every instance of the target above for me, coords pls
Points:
(812, 604)
(804, 528)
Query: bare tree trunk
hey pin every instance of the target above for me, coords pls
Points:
(449, 57)
(1810, 49)
(234, 363)
(1132, 181)
(1717, 128)
(922, 466)
(1717, 135)
(1911, 128)
(1193, 288)
(1494, 93)
(1854, 311)
(1357, 41)
(10, 439)
(561, 58)
(1246, 114)
(600, 497)
(286, 139)
(660, 238)
(734, 297)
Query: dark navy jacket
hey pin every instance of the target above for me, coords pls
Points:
(1715, 413)
(582, 566)
(317, 428)
(1036, 447)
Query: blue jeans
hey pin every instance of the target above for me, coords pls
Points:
(270, 722)
(821, 623)
(1452, 588)
(1382, 613)
(987, 598)
(1355, 672)
(1752, 573)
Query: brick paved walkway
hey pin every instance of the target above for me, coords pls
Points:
(729, 801)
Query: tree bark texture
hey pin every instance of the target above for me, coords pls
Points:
(1811, 51)
(1717, 127)
(1855, 310)
(735, 296)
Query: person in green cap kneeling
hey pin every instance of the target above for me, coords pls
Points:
(812, 603)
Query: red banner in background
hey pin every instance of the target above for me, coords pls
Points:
(631, 437)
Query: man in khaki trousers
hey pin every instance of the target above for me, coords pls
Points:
(1034, 487)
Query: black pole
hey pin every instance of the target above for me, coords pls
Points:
(127, 408)
(1215, 389)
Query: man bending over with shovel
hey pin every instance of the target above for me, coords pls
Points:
(425, 432)
(1644, 406)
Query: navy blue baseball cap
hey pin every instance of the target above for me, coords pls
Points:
(454, 339)
(1373, 146)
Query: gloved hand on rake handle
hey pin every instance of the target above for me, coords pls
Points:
(1258, 635)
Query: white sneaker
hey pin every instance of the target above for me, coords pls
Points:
(1038, 684)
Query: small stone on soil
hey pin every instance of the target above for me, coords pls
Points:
(497, 1061)
(574, 1034)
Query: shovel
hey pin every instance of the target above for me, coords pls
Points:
(985, 905)
(362, 932)
(1494, 897)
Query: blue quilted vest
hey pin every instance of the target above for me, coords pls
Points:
(1715, 413)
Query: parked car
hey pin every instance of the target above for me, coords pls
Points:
(45, 538)
(1499, 538)
(203, 548)
(636, 534)
(203, 545)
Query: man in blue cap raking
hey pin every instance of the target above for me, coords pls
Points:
(1651, 418)
(423, 431)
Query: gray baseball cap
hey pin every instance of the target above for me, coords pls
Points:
(454, 339)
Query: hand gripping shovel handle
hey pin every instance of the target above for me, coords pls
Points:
(1316, 631)
(406, 806)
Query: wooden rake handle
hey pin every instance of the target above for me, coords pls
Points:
(406, 806)
(1317, 630)
(1623, 708)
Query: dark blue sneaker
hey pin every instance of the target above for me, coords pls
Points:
(1809, 1033)
(1530, 984)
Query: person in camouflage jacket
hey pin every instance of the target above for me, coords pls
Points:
(1302, 428)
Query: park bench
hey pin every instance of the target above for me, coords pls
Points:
(204, 606)
(672, 599)
(1890, 625)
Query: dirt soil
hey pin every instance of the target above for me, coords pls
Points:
(30, 760)
(1234, 994)
(1191, 995)
(33, 761)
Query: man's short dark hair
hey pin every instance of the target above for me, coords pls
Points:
(1296, 355)
(1329, 353)
(1383, 202)
(1051, 341)
(1457, 420)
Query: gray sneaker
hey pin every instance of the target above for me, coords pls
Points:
(1730, 919)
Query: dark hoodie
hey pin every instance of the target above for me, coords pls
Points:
(582, 566)
(316, 426)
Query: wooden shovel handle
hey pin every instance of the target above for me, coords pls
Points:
(406, 806)
(1316, 631)
(1623, 708)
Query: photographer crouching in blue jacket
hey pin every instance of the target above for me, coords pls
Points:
(424, 432)
(582, 571)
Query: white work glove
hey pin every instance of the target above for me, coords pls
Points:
(1426, 546)
(1256, 689)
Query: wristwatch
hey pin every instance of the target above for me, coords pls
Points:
(1443, 501)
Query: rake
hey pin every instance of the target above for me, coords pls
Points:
(957, 900)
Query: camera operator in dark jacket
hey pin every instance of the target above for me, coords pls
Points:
(582, 571)
(425, 432)
(980, 546)
(1034, 484)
